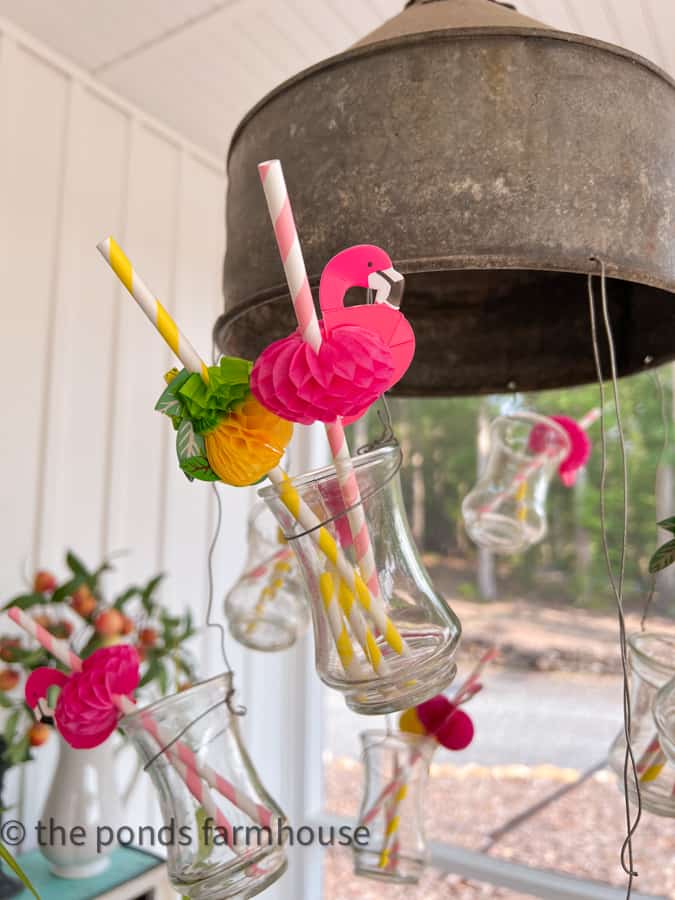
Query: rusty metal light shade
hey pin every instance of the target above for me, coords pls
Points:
(492, 157)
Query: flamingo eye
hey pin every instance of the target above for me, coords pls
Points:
(370, 265)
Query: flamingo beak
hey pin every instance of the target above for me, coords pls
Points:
(388, 285)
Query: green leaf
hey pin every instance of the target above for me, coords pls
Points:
(188, 443)
(124, 598)
(663, 557)
(104, 567)
(18, 871)
(30, 659)
(19, 753)
(5, 701)
(147, 592)
(170, 403)
(68, 588)
(163, 679)
(668, 524)
(94, 642)
(151, 673)
(25, 601)
(198, 467)
(11, 726)
(76, 566)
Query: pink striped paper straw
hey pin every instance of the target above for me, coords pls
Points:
(279, 205)
(392, 805)
(58, 649)
(349, 488)
(469, 687)
(179, 752)
(281, 213)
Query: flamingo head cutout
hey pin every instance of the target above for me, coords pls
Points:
(37, 687)
(364, 266)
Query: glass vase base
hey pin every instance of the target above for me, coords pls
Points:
(404, 870)
(500, 534)
(267, 635)
(242, 878)
(654, 802)
(411, 685)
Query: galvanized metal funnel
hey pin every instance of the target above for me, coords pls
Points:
(492, 157)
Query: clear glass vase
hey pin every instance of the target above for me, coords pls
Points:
(217, 847)
(385, 653)
(506, 511)
(266, 608)
(652, 663)
(392, 808)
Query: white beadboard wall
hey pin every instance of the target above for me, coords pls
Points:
(87, 462)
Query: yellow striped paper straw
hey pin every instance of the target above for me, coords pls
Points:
(393, 823)
(343, 644)
(360, 628)
(268, 593)
(120, 264)
(521, 506)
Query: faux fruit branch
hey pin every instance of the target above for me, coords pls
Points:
(77, 611)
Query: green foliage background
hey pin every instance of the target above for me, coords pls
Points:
(568, 566)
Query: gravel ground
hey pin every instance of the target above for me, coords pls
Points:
(581, 834)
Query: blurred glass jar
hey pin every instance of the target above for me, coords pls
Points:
(506, 511)
(386, 651)
(652, 663)
(664, 717)
(266, 608)
(392, 807)
(239, 854)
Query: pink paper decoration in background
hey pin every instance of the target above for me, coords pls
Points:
(580, 447)
(365, 349)
(85, 713)
(451, 726)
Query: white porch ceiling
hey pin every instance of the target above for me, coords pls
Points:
(199, 65)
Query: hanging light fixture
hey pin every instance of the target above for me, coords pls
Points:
(493, 157)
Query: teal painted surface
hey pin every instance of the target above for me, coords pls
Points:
(125, 865)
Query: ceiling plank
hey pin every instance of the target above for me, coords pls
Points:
(632, 30)
(359, 17)
(660, 22)
(553, 14)
(387, 9)
(322, 17)
(93, 33)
